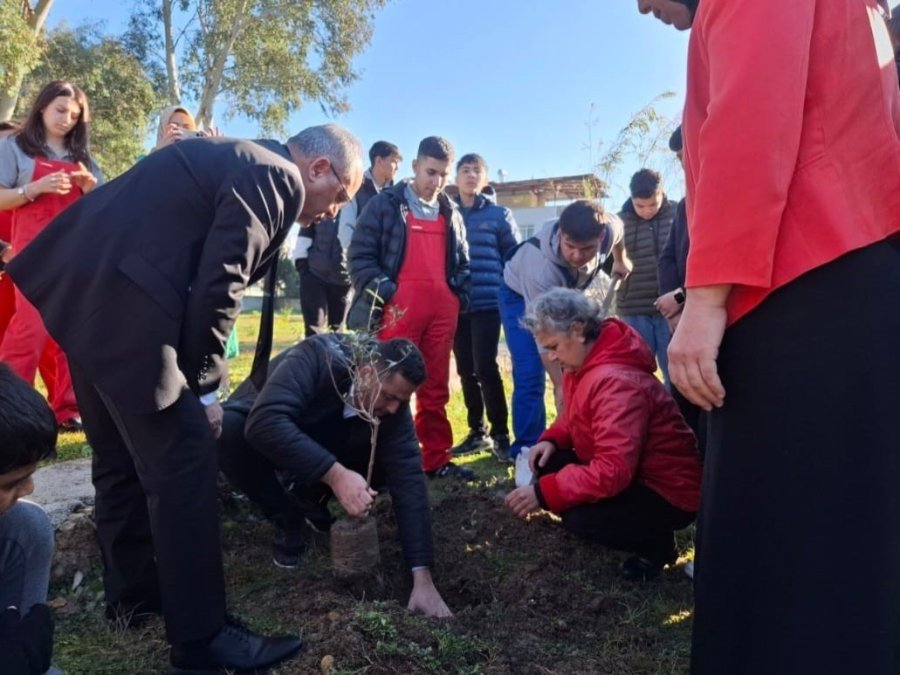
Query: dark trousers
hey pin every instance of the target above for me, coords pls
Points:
(798, 551)
(156, 509)
(256, 476)
(475, 350)
(322, 305)
(636, 520)
(696, 418)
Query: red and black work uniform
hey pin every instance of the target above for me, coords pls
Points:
(424, 310)
(26, 346)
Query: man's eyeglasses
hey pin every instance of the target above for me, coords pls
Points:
(343, 196)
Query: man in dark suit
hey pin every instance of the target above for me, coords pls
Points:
(140, 283)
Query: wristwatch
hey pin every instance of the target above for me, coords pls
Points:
(679, 296)
(22, 193)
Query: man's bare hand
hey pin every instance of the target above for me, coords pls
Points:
(695, 346)
(215, 415)
(425, 598)
(351, 490)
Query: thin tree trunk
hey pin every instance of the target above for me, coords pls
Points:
(35, 18)
(214, 78)
(373, 439)
(173, 85)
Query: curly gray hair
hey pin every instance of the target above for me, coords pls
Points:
(557, 310)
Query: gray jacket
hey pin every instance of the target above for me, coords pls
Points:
(534, 269)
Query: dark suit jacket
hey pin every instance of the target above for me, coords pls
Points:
(141, 280)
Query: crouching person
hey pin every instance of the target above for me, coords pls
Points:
(27, 436)
(300, 441)
(620, 465)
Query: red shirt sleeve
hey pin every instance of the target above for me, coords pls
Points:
(747, 76)
(619, 422)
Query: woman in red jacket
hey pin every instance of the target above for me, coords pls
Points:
(789, 334)
(619, 465)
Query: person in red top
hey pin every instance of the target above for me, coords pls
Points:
(44, 168)
(789, 334)
(620, 465)
(7, 291)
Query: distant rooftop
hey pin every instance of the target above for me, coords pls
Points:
(537, 192)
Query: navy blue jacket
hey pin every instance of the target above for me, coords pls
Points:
(672, 265)
(491, 232)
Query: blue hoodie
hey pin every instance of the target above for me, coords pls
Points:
(491, 232)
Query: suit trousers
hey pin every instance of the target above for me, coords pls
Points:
(156, 509)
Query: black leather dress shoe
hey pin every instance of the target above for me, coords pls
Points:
(235, 648)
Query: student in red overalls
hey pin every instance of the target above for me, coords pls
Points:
(43, 169)
(410, 270)
(7, 292)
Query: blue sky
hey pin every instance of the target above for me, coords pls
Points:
(512, 80)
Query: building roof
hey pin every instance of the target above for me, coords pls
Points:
(547, 189)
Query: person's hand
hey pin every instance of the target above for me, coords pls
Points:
(539, 454)
(83, 178)
(173, 134)
(33, 633)
(667, 305)
(6, 252)
(351, 490)
(523, 501)
(425, 598)
(695, 346)
(673, 323)
(215, 415)
(56, 183)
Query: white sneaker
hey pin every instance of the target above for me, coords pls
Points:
(689, 568)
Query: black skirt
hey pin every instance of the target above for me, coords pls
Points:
(798, 545)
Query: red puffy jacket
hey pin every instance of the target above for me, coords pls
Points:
(624, 426)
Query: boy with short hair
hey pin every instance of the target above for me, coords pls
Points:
(566, 252)
(491, 232)
(647, 218)
(409, 263)
(27, 436)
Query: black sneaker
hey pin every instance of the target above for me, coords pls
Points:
(476, 441)
(234, 648)
(288, 547)
(638, 568)
(71, 425)
(501, 448)
(451, 470)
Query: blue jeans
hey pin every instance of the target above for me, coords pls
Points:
(655, 330)
(529, 418)
(26, 551)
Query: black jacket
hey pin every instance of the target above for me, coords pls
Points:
(379, 246)
(672, 267)
(305, 387)
(326, 260)
(140, 281)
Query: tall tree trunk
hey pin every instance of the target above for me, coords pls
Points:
(173, 85)
(35, 18)
(214, 77)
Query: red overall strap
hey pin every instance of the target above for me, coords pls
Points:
(30, 219)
